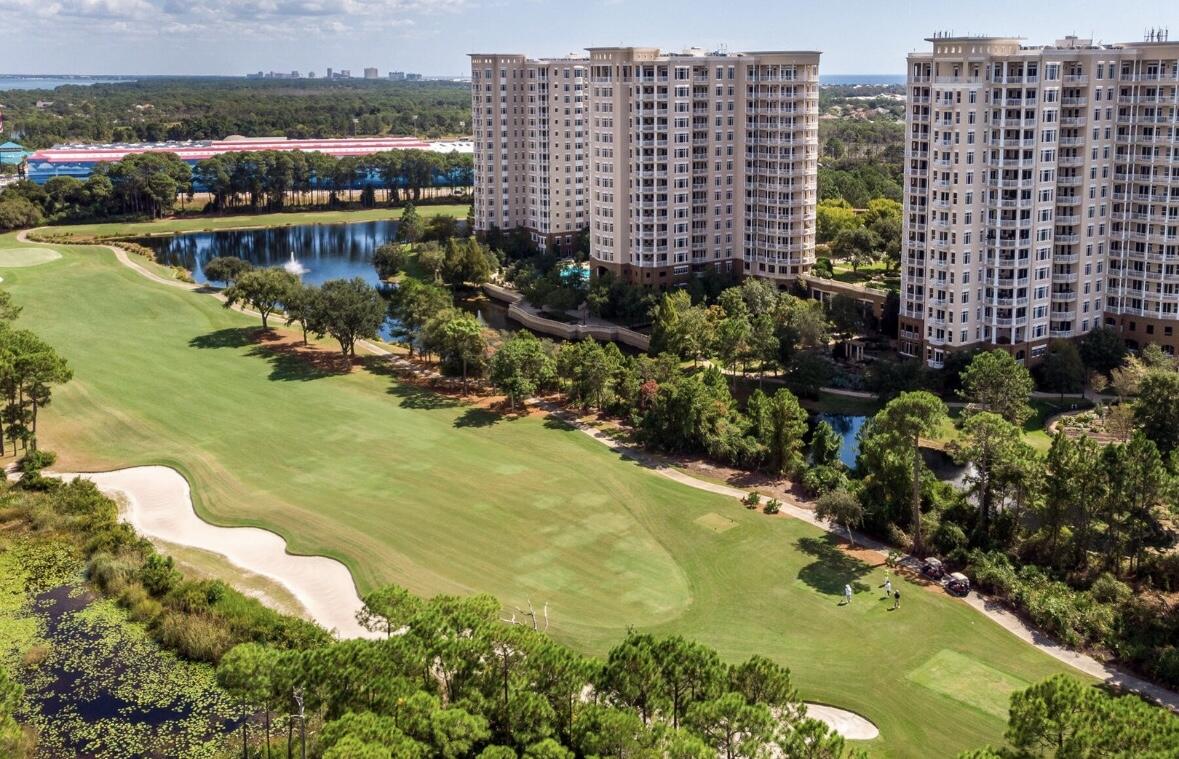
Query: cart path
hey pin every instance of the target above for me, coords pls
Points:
(992, 609)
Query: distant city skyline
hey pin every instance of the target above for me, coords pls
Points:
(234, 37)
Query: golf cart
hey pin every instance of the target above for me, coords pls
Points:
(958, 584)
(933, 569)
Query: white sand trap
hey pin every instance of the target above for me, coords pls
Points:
(159, 505)
(848, 724)
(21, 257)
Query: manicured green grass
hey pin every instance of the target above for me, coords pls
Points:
(407, 486)
(958, 677)
(1034, 431)
(203, 223)
(13, 258)
(875, 274)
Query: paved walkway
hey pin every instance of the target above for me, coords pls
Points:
(992, 609)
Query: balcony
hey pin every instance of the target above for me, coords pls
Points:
(1011, 184)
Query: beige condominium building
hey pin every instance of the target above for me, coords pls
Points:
(678, 163)
(529, 126)
(1041, 195)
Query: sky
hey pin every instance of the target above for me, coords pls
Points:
(433, 36)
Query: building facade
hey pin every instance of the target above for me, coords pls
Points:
(676, 162)
(1041, 195)
(528, 122)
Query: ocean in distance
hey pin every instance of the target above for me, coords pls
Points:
(861, 79)
(9, 82)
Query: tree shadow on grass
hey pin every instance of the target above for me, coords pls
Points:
(289, 363)
(379, 365)
(832, 568)
(478, 417)
(230, 337)
(556, 423)
(421, 398)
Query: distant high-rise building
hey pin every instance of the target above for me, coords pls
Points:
(329, 74)
(413, 77)
(1041, 195)
(397, 76)
(371, 73)
(677, 163)
(345, 73)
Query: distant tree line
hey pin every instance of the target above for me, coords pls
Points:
(151, 184)
(271, 179)
(158, 109)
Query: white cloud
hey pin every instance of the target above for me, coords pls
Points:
(239, 18)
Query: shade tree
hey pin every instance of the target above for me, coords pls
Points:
(262, 290)
(350, 310)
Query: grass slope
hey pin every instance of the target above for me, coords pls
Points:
(209, 223)
(405, 486)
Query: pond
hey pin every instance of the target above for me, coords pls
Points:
(97, 686)
(319, 251)
(848, 427)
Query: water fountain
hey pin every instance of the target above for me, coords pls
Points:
(294, 267)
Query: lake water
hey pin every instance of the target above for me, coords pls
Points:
(324, 251)
(848, 427)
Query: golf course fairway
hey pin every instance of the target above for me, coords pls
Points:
(406, 486)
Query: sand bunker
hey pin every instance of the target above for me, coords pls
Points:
(159, 505)
(848, 724)
(20, 257)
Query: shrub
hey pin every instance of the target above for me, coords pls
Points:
(820, 480)
(1161, 571)
(1109, 589)
(35, 461)
(949, 537)
(773, 506)
(140, 605)
(898, 537)
(111, 573)
(992, 572)
(158, 574)
(751, 501)
(194, 636)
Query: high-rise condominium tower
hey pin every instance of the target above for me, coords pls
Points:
(1041, 195)
(676, 162)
